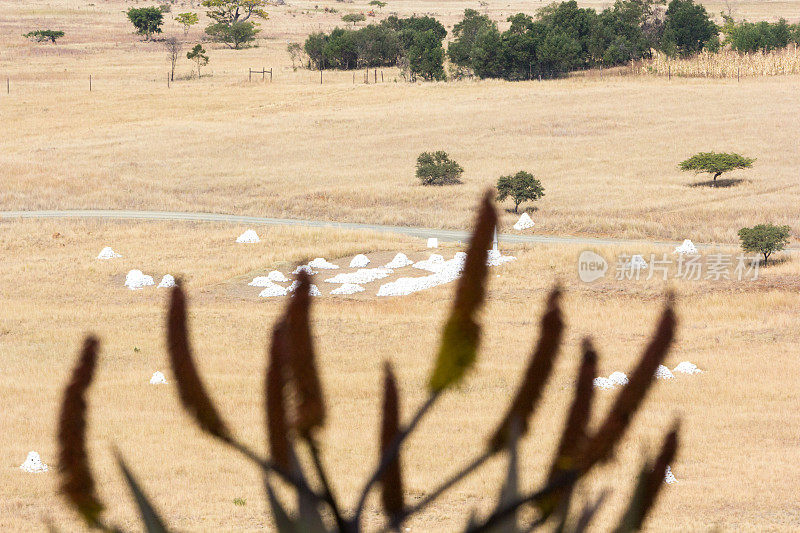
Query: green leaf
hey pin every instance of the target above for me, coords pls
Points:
(461, 335)
(150, 517)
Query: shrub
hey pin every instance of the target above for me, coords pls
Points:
(764, 239)
(761, 37)
(296, 413)
(521, 187)
(146, 20)
(715, 163)
(426, 56)
(41, 36)
(438, 169)
(233, 34)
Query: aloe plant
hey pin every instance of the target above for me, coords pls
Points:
(293, 427)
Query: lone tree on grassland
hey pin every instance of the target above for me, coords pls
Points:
(198, 55)
(146, 20)
(187, 20)
(716, 163)
(438, 169)
(41, 36)
(764, 239)
(231, 25)
(173, 46)
(377, 3)
(234, 35)
(521, 187)
(353, 18)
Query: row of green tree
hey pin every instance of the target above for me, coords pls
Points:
(562, 37)
(414, 43)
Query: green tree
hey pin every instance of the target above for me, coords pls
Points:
(464, 34)
(198, 55)
(233, 34)
(146, 20)
(231, 11)
(296, 53)
(687, 28)
(764, 239)
(715, 163)
(426, 56)
(187, 20)
(41, 36)
(438, 169)
(521, 187)
(377, 3)
(353, 18)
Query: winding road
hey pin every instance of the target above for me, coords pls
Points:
(424, 233)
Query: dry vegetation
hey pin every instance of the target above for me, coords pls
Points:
(605, 149)
(738, 449)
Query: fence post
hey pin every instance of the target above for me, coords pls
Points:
(381, 76)
(737, 74)
(90, 83)
(320, 76)
(167, 80)
(669, 72)
(376, 75)
(270, 75)
(249, 74)
(263, 73)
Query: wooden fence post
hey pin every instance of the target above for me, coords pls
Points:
(669, 72)
(381, 76)
(90, 83)
(320, 76)
(8, 85)
(263, 73)
(249, 74)
(270, 75)
(167, 80)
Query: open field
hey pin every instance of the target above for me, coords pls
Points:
(606, 149)
(736, 468)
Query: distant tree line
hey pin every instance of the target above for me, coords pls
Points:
(414, 42)
(562, 37)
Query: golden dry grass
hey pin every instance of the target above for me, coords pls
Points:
(726, 64)
(606, 149)
(738, 453)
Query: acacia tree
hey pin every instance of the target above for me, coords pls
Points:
(521, 187)
(377, 3)
(41, 36)
(715, 163)
(232, 26)
(146, 20)
(187, 20)
(764, 239)
(198, 55)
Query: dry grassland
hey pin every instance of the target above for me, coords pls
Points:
(737, 464)
(606, 149)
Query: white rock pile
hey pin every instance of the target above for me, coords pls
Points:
(495, 258)
(136, 280)
(248, 237)
(271, 289)
(277, 277)
(359, 261)
(348, 288)
(663, 372)
(158, 378)
(304, 268)
(321, 263)
(603, 383)
(687, 248)
(166, 282)
(524, 222)
(313, 290)
(448, 271)
(33, 464)
(108, 253)
(360, 276)
(687, 368)
(618, 378)
(400, 260)
(261, 281)
(434, 263)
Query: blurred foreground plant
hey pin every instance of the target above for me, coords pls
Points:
(295, 412)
